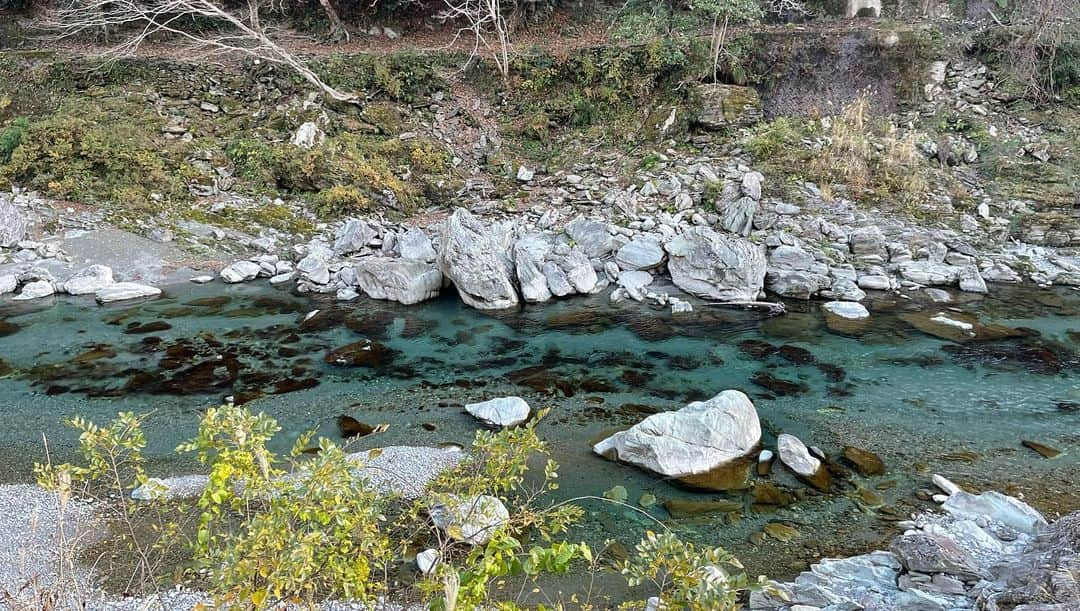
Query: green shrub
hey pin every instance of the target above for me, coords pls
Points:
(82, 152)
(11, 136)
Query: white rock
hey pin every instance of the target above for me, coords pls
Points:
(35, 290)
(471, 520)
(89, 280)
(701, 438)
(406, 281)
(308, 136)
(8, 283)
(524, 174)
(640, 253)
(241, 271)
(717, 266)
(426, 561)
(123, 291)
(504, 411)
(202, 279)
(415, 244)
(847, 309)
(796, 456)
(475, 257)
(171, 488)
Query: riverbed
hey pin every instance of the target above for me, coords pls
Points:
(924, 404)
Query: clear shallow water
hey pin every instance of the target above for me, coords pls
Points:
(924, 404)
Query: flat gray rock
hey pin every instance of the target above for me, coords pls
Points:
(124, 291)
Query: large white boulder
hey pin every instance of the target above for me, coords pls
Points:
(89, 280)
(474, 256)
(707, 444)
(406, 281)
(504, 411)
(35, 290)
(717, 266)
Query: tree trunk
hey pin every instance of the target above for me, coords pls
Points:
(337, 28)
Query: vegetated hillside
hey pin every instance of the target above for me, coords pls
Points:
(164, 136)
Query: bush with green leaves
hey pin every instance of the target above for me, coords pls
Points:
(307, 527)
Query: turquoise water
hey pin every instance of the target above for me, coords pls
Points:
(923, 404)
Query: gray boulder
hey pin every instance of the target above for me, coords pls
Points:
(530, 254)
(579, 271)
(592, 237)
(405, 281)
(415, 244)
(474, 257)
(353, 236)
(640, 254)
(707, 444)
(8, 283)
(868, 241)
(12, 223)
(35, 290)
(124, 291)
(737, 216)
(717, 266)
(89, 280)
(241, 271)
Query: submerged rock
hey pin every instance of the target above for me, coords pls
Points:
(717, 266)
(707, 444)
(866, 462)
(474, 257)
(364, 353)
(504, 411)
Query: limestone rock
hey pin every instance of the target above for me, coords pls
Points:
(124, 291)
(13, 224)
(796, 456)
(415, 244)
(530, 254)
(89, 280)
(35, 290)
(640, 254)
(717, 266)
(592, 237)
(707, 444)
(405, 281)
(504, 411)
(474, 257)
(308, 136)
(241, 271)
(471, 520)
(352, 236)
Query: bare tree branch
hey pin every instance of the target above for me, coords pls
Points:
(139, 20)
